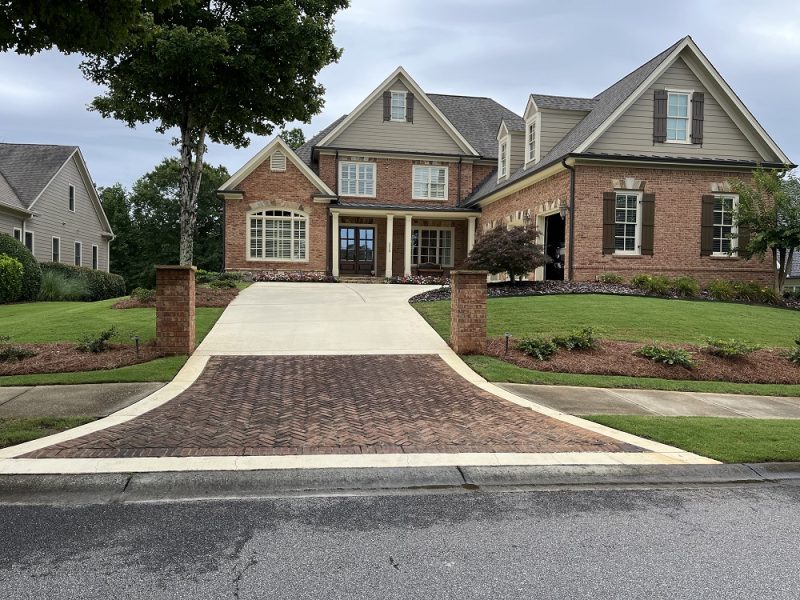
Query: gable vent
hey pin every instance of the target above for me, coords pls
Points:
(277, 162)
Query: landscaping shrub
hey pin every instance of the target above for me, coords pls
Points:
(221, 284)
(794, 353)
(747, 291)
(419, 279)
(652, 284)
(720, 289)
(729, 348)
(32, 274)
(143, 295)
(202, 276)
(99, 284)
(686, 287)
(98, 342)
(666, 356)
(10, 353)
(58, 287)
(540, 348)
(293, 276)
(583, 339)
(11, 274)
(610, 278)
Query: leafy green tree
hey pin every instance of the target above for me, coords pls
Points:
(217, 71)
(124, 250)
(503, 250)
(769, 209)
(294, 137)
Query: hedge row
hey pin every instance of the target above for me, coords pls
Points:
(31, 273)
(99, 284)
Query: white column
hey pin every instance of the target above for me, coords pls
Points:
(389, 241)
(471, 233)
(407, 248)
(335, 244)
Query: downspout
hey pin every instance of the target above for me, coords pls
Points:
(571, 217)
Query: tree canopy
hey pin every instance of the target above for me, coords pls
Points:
(294, 137)
(503, 250)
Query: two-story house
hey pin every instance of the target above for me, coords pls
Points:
(635, 179)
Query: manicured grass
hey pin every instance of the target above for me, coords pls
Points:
(497, 370)
(16, 431)
(723, 439)
(628, 318)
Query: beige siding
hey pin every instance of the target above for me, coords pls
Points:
(517, 148)
(54, 219)
(555, 124)
(370, 132)
(633, 131)
(8, 222)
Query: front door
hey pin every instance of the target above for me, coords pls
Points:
(356, 250)
(554, 247)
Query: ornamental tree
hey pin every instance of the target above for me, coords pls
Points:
(219, 71)
(503, 250)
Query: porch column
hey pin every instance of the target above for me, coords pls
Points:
(389, 240)
(335, 244)
(407, 248)
(471, 233)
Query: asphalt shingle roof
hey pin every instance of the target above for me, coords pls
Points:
(28, 168)
(7, 195)
(564, 102)
(305, 151)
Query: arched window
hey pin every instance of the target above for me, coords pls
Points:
(279, 235)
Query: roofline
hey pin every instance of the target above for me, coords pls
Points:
(408, 152)
(15, 209)
(56, 174)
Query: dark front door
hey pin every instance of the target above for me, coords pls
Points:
(356, 250)
(554, 247)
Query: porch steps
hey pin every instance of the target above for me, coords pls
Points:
(360, 279)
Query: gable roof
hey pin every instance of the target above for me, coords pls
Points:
(305, 152)
(29, 168)
(8, 198)
(563, 102)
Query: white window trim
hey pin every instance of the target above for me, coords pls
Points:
(638, 237)
(734, 227)
(52, 247)
(503, 163)
(77, 259)
(252, 213)
(374, 179)
(452, 244)
(404, 93)
(95, 253)
(71, 199)
(33, 240)
(446, 182)
(689, 93)
(536, 120)
(14, 234)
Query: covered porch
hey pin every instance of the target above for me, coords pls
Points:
(372, 241)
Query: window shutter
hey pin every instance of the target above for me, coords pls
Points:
(742, 239)
(410, 107)
(648, 223)
(707, 226)
(387, 106)
(609, 205)
(698, 110)
(659, 116)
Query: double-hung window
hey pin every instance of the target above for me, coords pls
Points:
(627, 223)
(279, 235)
(678, 116)
(95, 257)
(56, 250)
(724, 227)
(432, 245)
(78, 256)
(18, 234)
(71, 199)
(532, 140)
(29, 240)
(357, 179)
(503, 159)
(429, 183)
(398, 106)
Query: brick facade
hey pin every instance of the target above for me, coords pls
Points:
(175, 309)
(468, 312)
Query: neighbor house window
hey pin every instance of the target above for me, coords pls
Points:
(724, 228)
(56, 253)
(78, 254)
(18, 234)
(280, 235)
(678, 116)
(29, 240)
(398, 106)
(432, 245)
(72, 198)
(503, 159)
(356, 179)
(627, 223)
(430, 183)
(531, 134)
(95, 257)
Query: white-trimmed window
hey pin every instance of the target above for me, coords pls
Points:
(398, 106)
(502, 158)
(432, 245)
(277, 235)
(55, 254)
(277, 161)
(17, 234)
(95, 257)
(678, 126)
(724, 227)
(429, 183)
(72, 198)
(530, 140)
(627, 223)
(78, 259)
(357, 179)
(29, 240)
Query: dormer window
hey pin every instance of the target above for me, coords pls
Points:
(502, 158)
(398, 106)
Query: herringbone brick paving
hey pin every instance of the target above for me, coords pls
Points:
(279, 405)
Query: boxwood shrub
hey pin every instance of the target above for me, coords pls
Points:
(31, 273)
(11, 273)
(99, 284)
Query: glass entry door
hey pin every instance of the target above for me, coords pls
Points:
(356, 250)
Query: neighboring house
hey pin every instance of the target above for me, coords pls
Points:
(48, 201)
(793, 275)
(635, 179)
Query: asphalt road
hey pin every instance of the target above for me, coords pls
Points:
(713, 542)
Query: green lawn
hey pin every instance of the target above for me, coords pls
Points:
(628, 318)
(16, 431)
(723, 439)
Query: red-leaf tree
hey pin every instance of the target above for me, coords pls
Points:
(508, 250)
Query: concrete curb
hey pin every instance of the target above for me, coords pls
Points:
(204, 485)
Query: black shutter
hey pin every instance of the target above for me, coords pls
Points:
(410, 107)
(609, 221)
(648, 223)
(387, 106)
(707, 226)
(659, 116)
(698, 110)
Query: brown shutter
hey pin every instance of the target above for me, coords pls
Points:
(609, 211)
(387, 106)
(659, 116)
(707, 226)
(648, 223)
(698, 110)
(410, 107)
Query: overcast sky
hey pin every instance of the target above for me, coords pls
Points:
(504, 49)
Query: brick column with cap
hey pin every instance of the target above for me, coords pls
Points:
(175, 309)
(468, 311)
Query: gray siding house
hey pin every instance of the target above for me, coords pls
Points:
(48, 201)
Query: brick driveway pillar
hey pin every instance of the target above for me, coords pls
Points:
(468, 311)
(175, 309)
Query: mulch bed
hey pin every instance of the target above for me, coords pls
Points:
(204, 297)
(617, 358)
(65, 358)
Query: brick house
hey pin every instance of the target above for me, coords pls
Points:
(635, 179)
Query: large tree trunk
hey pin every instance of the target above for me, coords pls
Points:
(191, 174)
